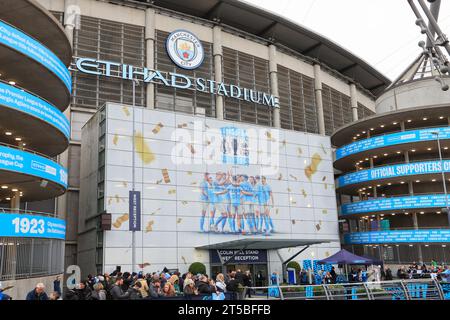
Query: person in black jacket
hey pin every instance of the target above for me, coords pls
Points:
(233, 286)
(247, 280)
(203, 286)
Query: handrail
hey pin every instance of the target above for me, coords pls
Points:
(27, 150)
(22, 211)
(355, 291)
(388, 133)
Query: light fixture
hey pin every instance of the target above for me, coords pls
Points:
(409, 121)
(445, 148)
(382, 126)
(394, 123)
(417, 181)
(393, 214)
(425, 119)
(429, 149)
(18, 139)
(441, 117)
(413, 150)
(378, 185)
(8, 198)
(13, 83)
(4, 187)
(434, 180)
(8, 133)
(411, 245)
(402, 182)
(364, 132)
(389, 184)
(371, 129)
(398, 152)
(406, 213)
(438, 212)
(14, 190)
(444, 246)
(421, 212)
(385, 154)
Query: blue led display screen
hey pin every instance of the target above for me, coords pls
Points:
(396, 203)
(23, 43)
(391, 140)
(15, 98)
(398, 236)
(21, 225)
(400, 170)
(31, 164)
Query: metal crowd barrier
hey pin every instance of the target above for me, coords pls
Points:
(420, 289)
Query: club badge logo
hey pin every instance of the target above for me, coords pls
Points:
(185, 49)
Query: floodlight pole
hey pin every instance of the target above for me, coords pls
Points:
(444, 184)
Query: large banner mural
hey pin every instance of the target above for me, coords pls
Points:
(204, 181)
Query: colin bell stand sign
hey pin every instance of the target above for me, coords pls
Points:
(135, 210)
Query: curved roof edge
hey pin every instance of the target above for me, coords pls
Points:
(38, 22)
(274, 28)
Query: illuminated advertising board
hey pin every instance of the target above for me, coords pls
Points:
(30, 226)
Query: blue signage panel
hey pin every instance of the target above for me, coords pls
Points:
(396, 203)
(398, 236)
(31, 164)
(21, 225)
(25, 102)
(23, 43)
(400, 170)
(391, 140)
(135, 210)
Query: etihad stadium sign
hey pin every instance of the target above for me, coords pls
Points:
(174, 80)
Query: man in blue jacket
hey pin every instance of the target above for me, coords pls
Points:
(37, 294)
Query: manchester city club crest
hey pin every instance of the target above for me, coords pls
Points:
(185, 49)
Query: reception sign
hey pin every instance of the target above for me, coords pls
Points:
(396, 203)
(398, 236)
(20, 225)
(391, 140)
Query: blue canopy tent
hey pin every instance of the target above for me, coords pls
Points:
(345, 258)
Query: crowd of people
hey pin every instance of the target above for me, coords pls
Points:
(137, 286)
(416, 270)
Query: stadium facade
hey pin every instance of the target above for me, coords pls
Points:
(232, 67)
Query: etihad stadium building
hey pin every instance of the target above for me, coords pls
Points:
(219, 67)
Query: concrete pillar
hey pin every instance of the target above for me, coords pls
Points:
(273, 72)
(354, 102)
(15, 200)
(71, 11)
(319, 100)
(218, 73)
(416, 227)
(150, 54)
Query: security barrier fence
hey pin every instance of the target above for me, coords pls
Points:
(423, 289)
(27, 257)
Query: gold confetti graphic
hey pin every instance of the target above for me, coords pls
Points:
(149, 227)
(118, 223)
(184, 203)
(184, 259)
(193, 183)
(143, 149)
(172, 191)
(324, 178)
(312, 168)
(125, 184)
(277, 211)
(304, 193)
(324, 211)
(293, 221)
(319, 225)
(283, 142)
(157, 128)
(289, 190)
(159, 181)
(323, 148)
(299, 152)
(115, 139)
(183, 125)
(126, 111)
(293, 177)
(143, 265)
(325, 186)
(154, 212)
(179, 220)
(189, 173)
(191, 148)
(166, 176)
(327, 254)
(280, 177)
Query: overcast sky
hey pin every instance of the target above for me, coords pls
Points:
(381, 32)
